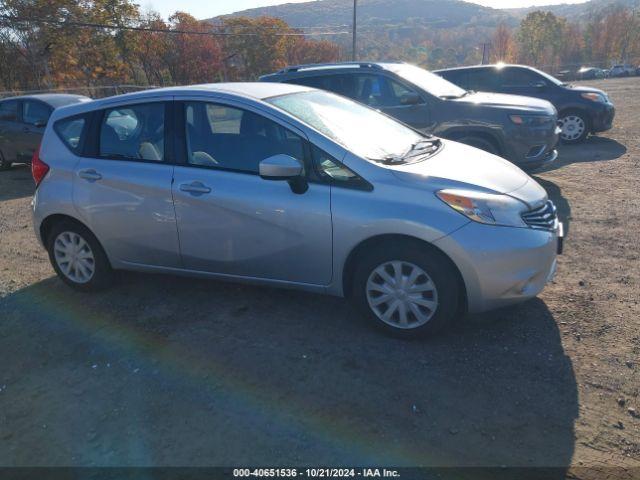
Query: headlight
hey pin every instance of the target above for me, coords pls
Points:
(535, 120)
(594, 97)
(492, 209)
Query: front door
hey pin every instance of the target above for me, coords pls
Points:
(123, 188)
(233, 222)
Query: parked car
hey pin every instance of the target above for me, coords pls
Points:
(581, 110)
(591, 73)
(290, 186)
(622, 70)
(22, 122)
(522, 130)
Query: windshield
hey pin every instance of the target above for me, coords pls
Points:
(360, 129)
(429, 82)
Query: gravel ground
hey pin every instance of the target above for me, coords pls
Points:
(171, 371)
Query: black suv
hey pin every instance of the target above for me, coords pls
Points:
(22, 124)
(522, 130)
(581, 110)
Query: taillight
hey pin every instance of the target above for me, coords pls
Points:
(38, 168)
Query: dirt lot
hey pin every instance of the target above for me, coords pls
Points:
(172, 371)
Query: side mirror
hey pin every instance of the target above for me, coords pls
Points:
(281, 167)
(411, 98)
(539, 85)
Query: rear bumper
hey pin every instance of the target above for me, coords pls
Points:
(501, 266)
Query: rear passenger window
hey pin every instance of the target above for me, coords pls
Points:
(133, 132)
(35, 113)
(9, 111)
(70, 131)
(519, 77)
(482, 80)
(219, 136)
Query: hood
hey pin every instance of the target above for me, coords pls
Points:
(508, 102)
(580, 89)
(461, 166)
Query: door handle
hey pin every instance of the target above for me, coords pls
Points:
(195, 188)
(90, 175)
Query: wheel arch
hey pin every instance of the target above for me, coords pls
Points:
(380, 240)
(50, 221)
(482, 134)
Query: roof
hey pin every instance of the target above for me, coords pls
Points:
(249, 90)
(54, 100)
(255, 90)
(491, 65)
(332, 66)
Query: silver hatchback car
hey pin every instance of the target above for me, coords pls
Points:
(290, 186)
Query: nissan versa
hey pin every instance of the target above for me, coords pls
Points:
(290, 186)
(519, 129)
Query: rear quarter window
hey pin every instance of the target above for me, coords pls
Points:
(71, 131)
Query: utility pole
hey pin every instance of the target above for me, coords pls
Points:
(486, 47)
(353, 47)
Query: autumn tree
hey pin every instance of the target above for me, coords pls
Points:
(193, 57)
(539, 38)
(502, 44)
(259, 42)
(152, 47)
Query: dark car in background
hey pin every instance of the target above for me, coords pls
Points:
(22, 123)
(581, 110)
(522, 130)
(591, 73)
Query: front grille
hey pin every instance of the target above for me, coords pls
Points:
(544, 217)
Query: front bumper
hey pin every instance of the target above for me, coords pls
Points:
(501, 266)
(533, 147)
(602, 120)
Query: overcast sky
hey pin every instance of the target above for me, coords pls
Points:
(212, 8)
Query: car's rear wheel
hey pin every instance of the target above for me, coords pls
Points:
(4, 164)
(78, 258)
(406, 289)
(575, 127)
(479, 142)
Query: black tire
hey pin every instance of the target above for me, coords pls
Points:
(102, 275)
(4, 164)
(432, 262)
(479, 142)
(570, 115)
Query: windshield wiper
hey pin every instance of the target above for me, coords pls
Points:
(419, 148)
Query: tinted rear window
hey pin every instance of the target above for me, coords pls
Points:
(71, 131)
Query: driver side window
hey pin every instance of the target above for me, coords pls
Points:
(133, 132)
(220, 136)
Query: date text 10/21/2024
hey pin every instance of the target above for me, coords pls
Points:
(316, 472)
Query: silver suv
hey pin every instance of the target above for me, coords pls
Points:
(290, 186)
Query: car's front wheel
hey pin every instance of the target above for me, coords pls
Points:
(407, 289)
(78, 257)
(575, 127)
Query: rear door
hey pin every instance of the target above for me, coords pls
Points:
(233, 222)
(122, 184)
(34, 117)
(9, 129)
